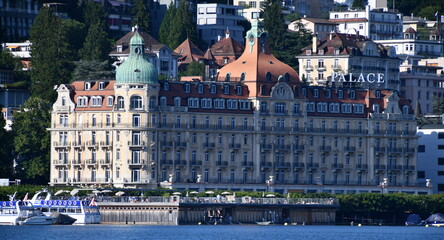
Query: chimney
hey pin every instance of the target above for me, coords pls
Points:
(227, 33)
(218, 38)
(331, 35)
(315, 43)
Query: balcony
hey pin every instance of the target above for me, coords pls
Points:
(266, 147)
(321, 67)
(336, 68)
(78, 145)
(180, 162)
(91, 144)
(337, 166)
(299, 148)
(363, 167)
(166, 144)
(222, 163)
(379, 167)
(325, 148)
(394, 167)
(63, 144)
(313, 165)
(181, 144)
(285, 165)
(283, 147)
(308, 68)
(248, 164)
(196, 163)
(380, 149)
(350, 149)
(105, 144)
(77, 163)
(136, 163)
(136, 144)
(166, 162)
(61, 163)
(299, 166)
(105, 163)
(209, 145)
(235, 145)
(266, 164)
(91, 162)
(409, 168)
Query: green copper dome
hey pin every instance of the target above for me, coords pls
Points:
(136, 68)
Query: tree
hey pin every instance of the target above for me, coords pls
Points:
(293, 44)
(7, 61)
(32, 140)
(92, 70)
(96, 46)
(177, 26)
(438, 105)
(51, 59)
(75, 33)
(194, 69)
(275, 25)
(94, 12)
(165, 27)
(142, 14)
(6, 157)
(358, 4)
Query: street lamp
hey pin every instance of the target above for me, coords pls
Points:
(383, 184)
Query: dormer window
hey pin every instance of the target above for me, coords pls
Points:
(287, 77)
(213, 89)
(96, 101)
(239, 90)
(340, 94)
(166, 86)
(316, 93)
(352, 94)
(101, 85)
(87, 86)
(187, 87)
(336, 51)
(328, 93)
(227, 77)
(177, 101)
(304, 92)
(63, 101)
(110, 101)
(200, 88)
(119, 48)
(226, 89)
(378, 94)
(376, 108)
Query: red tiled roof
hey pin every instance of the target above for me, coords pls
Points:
(189, 52)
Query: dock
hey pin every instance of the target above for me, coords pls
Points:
(210, 210)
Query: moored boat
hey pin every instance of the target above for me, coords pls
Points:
(12, 212)
(83, 211)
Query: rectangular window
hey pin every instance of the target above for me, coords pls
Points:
(440, 173)
(440, 187)
(421, 174)
(441, 135)
(440, 161)
(440, 147)
(421, 148)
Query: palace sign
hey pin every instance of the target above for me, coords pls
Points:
(370, 77)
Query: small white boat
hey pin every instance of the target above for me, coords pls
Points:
(39, 219)
(264, 223)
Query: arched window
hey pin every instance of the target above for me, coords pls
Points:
(163, 101)
(166, 86)
(263, 107)
(242, 77)
(378, 94)
(177, 101)
(287, 77)
(263, 90)
(120, 103)
(268, 76)
(136, 102)
(239, 90)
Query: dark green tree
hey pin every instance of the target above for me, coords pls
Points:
(94, 12)
(96, 46)
(358, 4)
(194, 69)
(177, 25)
(293, 44)
(438, 105)
(75, 33)
(7, 61)
(6, 157)
(51, 58)
(142, 14)
(165, 27)
(275, 25)
(32, 140)
(92, 70)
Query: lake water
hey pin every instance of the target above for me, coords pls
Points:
(223, 232)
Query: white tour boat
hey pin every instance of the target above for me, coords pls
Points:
(85, 212)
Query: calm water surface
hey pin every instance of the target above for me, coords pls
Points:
(129, 232)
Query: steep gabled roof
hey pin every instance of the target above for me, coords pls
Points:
(189, 52)
(227, 47)
(151, 44)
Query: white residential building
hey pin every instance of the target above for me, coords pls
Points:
(431, 156)
(376, 24)
(214, 19)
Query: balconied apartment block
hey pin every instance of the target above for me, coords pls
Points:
(255, 128)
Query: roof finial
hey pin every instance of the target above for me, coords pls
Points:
(136, 28)
(227, 33)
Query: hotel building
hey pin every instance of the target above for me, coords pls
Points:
(256, 127)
